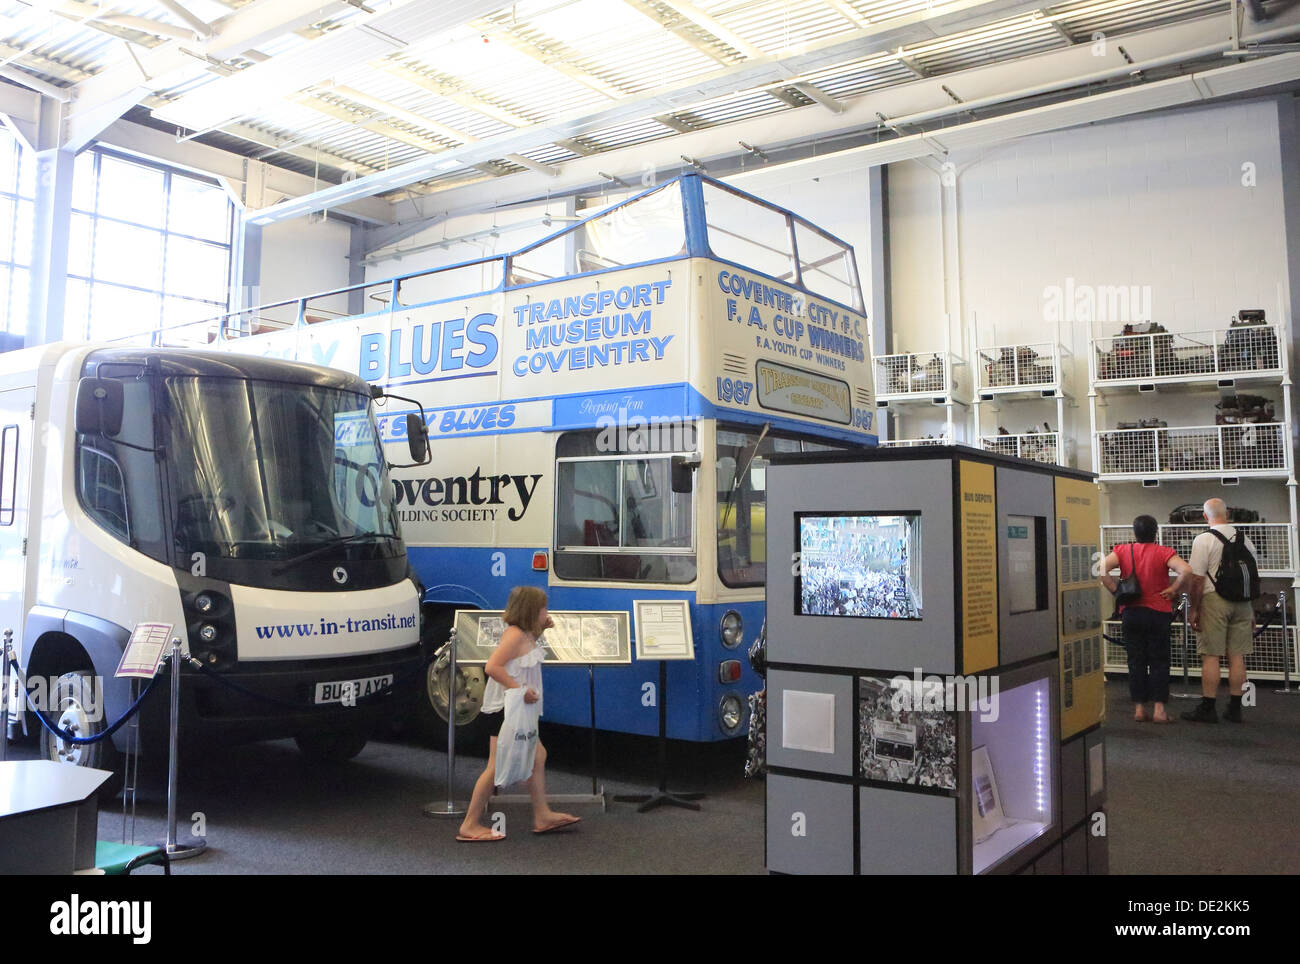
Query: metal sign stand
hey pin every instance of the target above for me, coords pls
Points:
(131, 767)
(597, 795)
(1186, 694)
(449, 808)
(663, 796)
(191, 846)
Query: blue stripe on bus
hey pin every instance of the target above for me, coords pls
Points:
(461, 578)
(678, 400)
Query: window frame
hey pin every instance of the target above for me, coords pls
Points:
(212, 308)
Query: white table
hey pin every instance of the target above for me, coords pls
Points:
(49, 816)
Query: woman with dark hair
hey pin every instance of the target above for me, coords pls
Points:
(515, 663)
(1146, 620)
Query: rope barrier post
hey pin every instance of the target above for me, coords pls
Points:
(4, 688)
(449, 809)
(1186, 694)
(1288, 650)
(192, 846)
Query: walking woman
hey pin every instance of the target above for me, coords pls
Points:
(1147, 619)
(515, 663)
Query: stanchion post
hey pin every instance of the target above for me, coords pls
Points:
(4, 688)
(193, 846)
(1186, 694)
(1287, 649)
(449, 809)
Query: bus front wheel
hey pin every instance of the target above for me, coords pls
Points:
(79, 711)
(472, 728)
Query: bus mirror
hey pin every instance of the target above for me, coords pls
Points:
(99, 406)
(417, 434)
(684, 467)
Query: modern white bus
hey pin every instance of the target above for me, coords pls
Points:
(244, 502)
(600, 405)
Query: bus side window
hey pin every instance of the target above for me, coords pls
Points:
(103, 492)
(8, 474)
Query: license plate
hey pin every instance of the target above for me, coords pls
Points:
(351, 689)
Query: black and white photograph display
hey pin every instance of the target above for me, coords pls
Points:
(901, 743)
(862, 565)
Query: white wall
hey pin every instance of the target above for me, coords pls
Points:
(301, 257)
(1153, 201)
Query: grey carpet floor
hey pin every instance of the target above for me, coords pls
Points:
(1185, 798)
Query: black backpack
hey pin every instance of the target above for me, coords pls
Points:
(1238, 577)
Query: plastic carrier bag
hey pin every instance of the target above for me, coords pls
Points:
(517, 741)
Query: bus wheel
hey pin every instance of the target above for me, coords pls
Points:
(331, 747)
(74, 695)
(472, 729)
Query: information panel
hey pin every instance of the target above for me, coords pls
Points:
(663, 629)
(578, 636)
(979, 567)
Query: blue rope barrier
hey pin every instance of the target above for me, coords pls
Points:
(67, 736)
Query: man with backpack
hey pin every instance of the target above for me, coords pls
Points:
(1221, 610)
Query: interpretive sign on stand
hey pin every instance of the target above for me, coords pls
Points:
(144, 650)
(581, 637)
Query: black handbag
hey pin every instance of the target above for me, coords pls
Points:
(1129, 590)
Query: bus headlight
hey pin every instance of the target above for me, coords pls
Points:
(208, 633)
(203, 603)
(732, 629)
(731, 714)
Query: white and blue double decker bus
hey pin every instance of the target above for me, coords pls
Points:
(691, 330)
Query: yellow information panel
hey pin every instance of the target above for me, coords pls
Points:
(979, 567)
(1082, 647)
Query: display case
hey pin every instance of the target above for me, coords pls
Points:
(1009, 375)
(1180, 416)
(925, 710)
(920, 383)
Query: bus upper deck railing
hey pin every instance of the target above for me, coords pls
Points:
(671, 224)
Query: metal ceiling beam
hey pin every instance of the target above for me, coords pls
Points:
(396, 113)
(702, 20)
(105, 19)
(401, 23)
(197, 25)
(815, 93)
(772, 70)
(451, 90)
(537, 167)
(504, 33)
(1053, 71)
(677, 26)
(127, 82)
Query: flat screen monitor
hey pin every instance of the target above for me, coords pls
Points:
(865, 565)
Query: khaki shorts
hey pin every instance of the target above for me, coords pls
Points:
(1226, 627)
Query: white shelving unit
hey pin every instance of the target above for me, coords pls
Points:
(1174, 375)
(911, 382)
(1009, 373)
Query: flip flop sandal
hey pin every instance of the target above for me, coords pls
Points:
(559, 826)
(488, 838)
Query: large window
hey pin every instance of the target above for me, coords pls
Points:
(17, 191)
(149, 247)
(617, 516)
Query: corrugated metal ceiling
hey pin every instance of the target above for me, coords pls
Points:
(541, 61)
